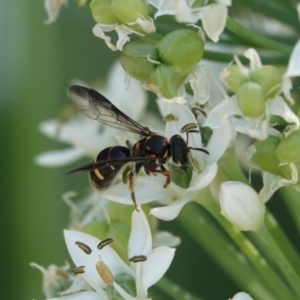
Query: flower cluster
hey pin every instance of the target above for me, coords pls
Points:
(204, 115)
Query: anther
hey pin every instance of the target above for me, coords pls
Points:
(138, 258)
(104, 243)
(86, 249)
(78, 270)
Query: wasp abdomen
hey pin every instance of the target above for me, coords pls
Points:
(102, 177)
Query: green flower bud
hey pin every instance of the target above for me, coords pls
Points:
(251, 99)
(182, 49)
(103, 13)
(288, 150)
(265, 155)
(233, 77)
(163, 65)
(118, 11)
(129, 10)
(134, 60)
(269, 78)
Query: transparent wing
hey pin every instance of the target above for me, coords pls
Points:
(114, 162)
(95, 106)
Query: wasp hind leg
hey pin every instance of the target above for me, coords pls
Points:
(131, 180)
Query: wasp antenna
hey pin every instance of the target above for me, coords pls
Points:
(199, 149)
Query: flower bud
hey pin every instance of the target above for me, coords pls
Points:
(288, 150)
(118, 11)
(163, 65)
(135, 62)
(233, 77)
(265, 155)
(269, 78)
(251, 99)
(241, 206)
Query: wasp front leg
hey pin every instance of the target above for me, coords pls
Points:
(131, 181)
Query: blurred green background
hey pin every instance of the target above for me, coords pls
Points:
(37, 63)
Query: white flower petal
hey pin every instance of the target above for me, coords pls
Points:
(254, 58)
(204, 178)
(147, 24)
(99, 30)
(286, 86)
(273, 182)
(214, 20)
(125, 97)
(81, 296)
(185, 14)
(278, 107)
(163, 7)
(199, 83)
(57, 158)
(165, 238)
(170, 212)
(140, 240)
(241, 296)
(54, 129)
(293, 68)
(146, 189)
(122, 32)
(158, 262)
(52, 8)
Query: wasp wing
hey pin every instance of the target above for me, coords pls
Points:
(114, 162)
(95, 106)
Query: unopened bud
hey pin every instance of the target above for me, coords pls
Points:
(288, 150)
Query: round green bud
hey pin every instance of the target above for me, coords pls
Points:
(168, 80)
(251, 99)
(233, 77)
(129, 10)
(103, 13)
(265, 155)
(135, 62)
(182, 49)
(288, 150)
(269, 78)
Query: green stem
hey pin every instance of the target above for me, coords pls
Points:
(173, 290)
(282, 241)
(275, 283)
(198, 223)
(279, 259)
(256, 38)
(291, 199)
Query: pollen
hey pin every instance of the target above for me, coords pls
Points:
(86, 249)
(105, 273)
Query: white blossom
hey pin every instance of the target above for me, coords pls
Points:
(213, 15)
(86, 255)
(241, 205)
(241, 296)
(52, 8)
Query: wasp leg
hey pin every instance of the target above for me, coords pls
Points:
(164, 172)
(131, 179)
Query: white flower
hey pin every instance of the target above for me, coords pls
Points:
(123, 31)
(241, 205)
(101, 267)
(83, 134)
(213, 16)
(55, 279)
(241, 296)
(259, 127)
(52, 8)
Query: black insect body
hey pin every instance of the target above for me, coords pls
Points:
(151, 152)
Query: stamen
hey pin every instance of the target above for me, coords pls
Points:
(138, 258)
(153, 61)
(104, 243)
(86, 249)
(78, 270)
(105, 273)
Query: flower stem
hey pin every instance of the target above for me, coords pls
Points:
(199, 224)
(256, 38)
(278, 258)
(173, 290)
(274, 282)
(285, 245)
(291, 199)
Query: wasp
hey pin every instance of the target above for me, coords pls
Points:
(150, 153)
